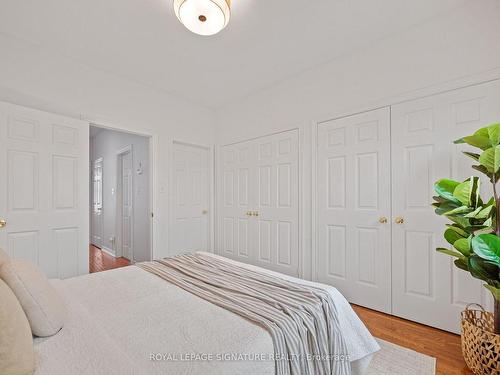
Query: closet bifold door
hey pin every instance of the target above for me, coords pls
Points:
(426, 287)
(353, 208)
(259, 203)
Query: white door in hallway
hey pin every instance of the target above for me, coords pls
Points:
(126, 202)
(44, 189)
(96, 207)
(260, 202)
(191, 199)
(427, 287)
(353, 204)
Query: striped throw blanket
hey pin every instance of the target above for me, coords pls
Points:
(301, 320)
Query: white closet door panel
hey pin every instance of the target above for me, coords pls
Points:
(238, 191)
(261, 175)
(354, 252)
(426, 286)
(44, 190)
(277, 203)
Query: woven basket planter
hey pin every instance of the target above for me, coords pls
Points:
(480, 346)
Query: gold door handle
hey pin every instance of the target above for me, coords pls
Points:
(256, 213)
(249, 213)
(382, 220)
(399, 220)
(3, 223)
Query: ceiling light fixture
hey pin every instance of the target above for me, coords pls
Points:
(203, 17)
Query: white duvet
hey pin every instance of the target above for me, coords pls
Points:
(128, 321)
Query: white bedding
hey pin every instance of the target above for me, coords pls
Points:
(119, 318)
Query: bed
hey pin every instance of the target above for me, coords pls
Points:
(130, 321)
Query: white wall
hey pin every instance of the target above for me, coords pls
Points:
(105, 145)
(450, 51)
(42, 79)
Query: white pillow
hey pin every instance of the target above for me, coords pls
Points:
(16, 343)
(44, 308)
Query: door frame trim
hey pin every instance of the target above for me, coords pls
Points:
(153, 146)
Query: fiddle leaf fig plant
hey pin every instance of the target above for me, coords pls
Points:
(474, 231)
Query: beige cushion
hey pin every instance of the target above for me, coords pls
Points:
(16, 343)
(44, 308)
(4, 257)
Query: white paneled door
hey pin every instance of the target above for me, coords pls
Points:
(125, 200)
(44, 197)
(191, 199)
(353, 207)
(260, 202)
(96, 222)
(427, 288)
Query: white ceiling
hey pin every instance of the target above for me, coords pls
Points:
(266, 41)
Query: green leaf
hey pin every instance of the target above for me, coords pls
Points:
(475, 188)
(467, 191)
(482, 169)
(459, 230)
(443, 208)
(444, 188)
(479, 141)
(472, 155)
(459, 210)
(482, 270)
(488, 229)
(489, 222)
(461, 263)
(451, 236)
(485, 212)
(494, 133)
(473, 214)
(461, 221)
(439, 199)
(487, 246)
(491, 159)
(494, 291)
(452, 253)
(483, 132)
(463, 246)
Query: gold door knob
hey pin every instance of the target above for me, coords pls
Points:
(399, 220)
(204, 212)
(256, 213)
(3, 223)
(382, 220)
(249, 213)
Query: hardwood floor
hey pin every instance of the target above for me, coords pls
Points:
(442, 345)
(101, 261)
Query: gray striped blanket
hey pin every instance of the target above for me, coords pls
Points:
(301, 320)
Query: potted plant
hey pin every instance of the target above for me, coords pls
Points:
(474, 236)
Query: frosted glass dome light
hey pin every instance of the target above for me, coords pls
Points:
(203, 17)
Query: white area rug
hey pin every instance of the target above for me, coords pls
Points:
(396, 360)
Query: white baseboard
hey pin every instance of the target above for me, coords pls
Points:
(108, 251)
